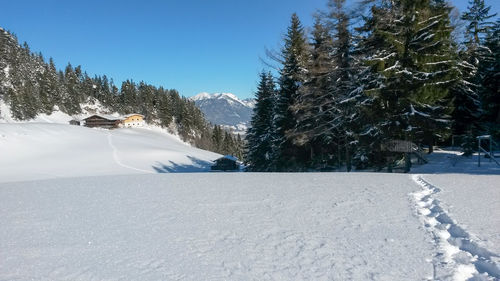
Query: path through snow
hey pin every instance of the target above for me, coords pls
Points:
(458, 257)
(117, 159)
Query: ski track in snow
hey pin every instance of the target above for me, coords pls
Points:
(117, 159)
(459, 257)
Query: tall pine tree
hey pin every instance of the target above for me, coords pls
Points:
(259, 135)
(286, 155)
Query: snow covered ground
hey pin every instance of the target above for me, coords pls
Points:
(331, 226)
(459, 204)
(213, 227)
(89, 204)
(33, 151)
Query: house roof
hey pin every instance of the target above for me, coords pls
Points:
(229, 157)
(133, 114)
(114, 118)
(109, 117)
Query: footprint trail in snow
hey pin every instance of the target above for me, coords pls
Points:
(459, 257)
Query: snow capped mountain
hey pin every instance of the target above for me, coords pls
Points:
(226, 109)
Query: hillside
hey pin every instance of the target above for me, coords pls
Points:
(32, 88)
(226, 109)
(33, 151)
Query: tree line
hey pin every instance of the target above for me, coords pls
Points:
(30, 86)
(377, 72)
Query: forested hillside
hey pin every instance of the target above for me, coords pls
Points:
(377, 72)
(30, 86)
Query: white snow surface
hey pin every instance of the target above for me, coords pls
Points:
(91, 204)
(213, 227)
(459, 253)
(33, 151)
(458, 204)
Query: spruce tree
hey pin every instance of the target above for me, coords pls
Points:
(286, 155)
(315, 104)
(467, 103)
(478, 25)
(341, 123)
(491, 82)
(217, 138)
(46, 102)
(412, 70)
(259, 134)
(470, 93)
(71, 97)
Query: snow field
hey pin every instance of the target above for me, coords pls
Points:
(213, 227)
(90, 204)
(33, 151)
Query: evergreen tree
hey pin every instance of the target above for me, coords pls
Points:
(71, 98)
(239, 148)
(469, 91)
(411, 71)
(128, 96)
(286, 155)
(46, 102)
(477, 17)
(259, 135)
(491, 81)
(467, 103)
(228, 145)
(217, 139)
(315, 105)
(163, 110)
(341, 123)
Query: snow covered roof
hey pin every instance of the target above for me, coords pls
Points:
(105, 116)
(133, 114)
(113, 117)
(230, 157)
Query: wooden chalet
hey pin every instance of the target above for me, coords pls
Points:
(226, 163)
(102, 121)
(133, 120)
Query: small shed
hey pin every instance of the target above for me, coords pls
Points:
(102, 121)
(74, 122)
(226, 163)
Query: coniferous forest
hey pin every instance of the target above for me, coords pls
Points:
(379, 71)
(30, 86)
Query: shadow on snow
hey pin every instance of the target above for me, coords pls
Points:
(196, 166)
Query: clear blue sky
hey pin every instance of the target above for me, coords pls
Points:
(190, 45)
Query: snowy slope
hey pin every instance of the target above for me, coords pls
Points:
(226, 109)
(30, 151)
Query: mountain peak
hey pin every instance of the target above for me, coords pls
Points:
(226, 95)
(229, 97)
(226, 109)
(200, 96)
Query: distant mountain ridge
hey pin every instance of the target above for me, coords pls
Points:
(226, 109)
